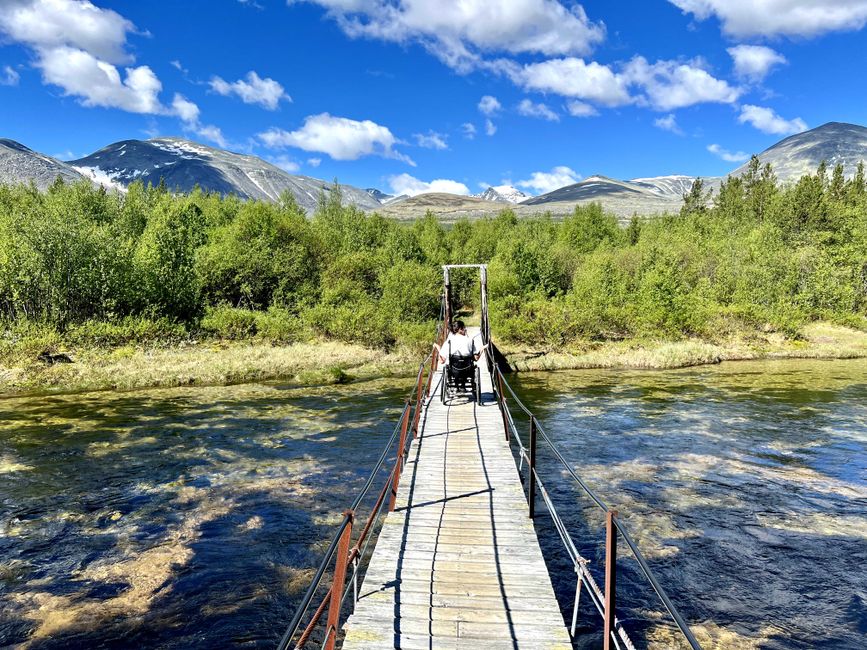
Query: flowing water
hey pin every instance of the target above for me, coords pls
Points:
(744, 484)
(194, 517)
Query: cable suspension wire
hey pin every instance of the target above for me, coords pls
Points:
(580, 563)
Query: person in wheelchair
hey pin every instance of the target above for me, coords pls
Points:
(459, 352)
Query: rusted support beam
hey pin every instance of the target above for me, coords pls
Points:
(398, 463)
(531, 487)
(502, 401)
(610, 577)
(333, 625)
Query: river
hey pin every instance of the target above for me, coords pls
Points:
(193, 517)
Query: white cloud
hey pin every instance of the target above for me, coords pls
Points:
(726, 155)
(411, 186)
(531, 109)
(185, 109)
(431, 140)
(544, 182)
(669, 85)
(339, 137)
(754, 62)
(78, 24)
(668, 123)
(742, 18)
(573, 77)
(767, 121)
(578, 108)
(459, 32)
(285, 163)
(98, 83)
(469, 130)
(252, 90)
(314, 162)
(10, 76)
(212, 133)
(489, 105)
(490, 127)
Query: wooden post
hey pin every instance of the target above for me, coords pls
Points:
(531, 488)
(610, 576)
(337, 585)
(398, 463)
(418, 402)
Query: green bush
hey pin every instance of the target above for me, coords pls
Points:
(229, 322)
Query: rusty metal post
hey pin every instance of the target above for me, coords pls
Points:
(333, 624)
(610, 576)
(418, 402)
(531, 488)
(398, 463)
(447, 284)
(502, 401)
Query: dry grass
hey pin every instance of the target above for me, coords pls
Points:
(821, 341)
(127, 368)
(324, 362)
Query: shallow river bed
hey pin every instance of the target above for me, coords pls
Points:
(193, 517)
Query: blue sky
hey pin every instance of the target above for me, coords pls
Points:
(411, 95)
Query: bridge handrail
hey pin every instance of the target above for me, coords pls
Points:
(616, 524)
(350, 557)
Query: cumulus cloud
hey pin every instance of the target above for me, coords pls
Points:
(411, 186)
(767, 121)
(78, 48)
(754, 62)
(669, 85)
(469, 130)
(572, 77)
(9, 77)
(490, 127)
(741, 18)
(489, 105)
(531, 109)
(461, 32)
(668, 123)
(339, 137)
(544, 182)
(577, 108)
(314, 162)
(252, 90)
(431, 140)
(285, 163)
(727, 155)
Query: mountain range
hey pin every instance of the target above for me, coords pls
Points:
(183, 165)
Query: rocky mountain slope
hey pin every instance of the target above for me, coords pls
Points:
(18, 164)
(834, 142)
(183, 165)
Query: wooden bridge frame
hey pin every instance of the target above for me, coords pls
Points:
(348, 557)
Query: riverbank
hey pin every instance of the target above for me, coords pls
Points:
(329, 362)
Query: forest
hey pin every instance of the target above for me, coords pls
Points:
(104, 268)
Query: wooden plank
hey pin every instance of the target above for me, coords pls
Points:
(457, 564)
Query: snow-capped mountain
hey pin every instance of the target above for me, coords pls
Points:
(676, 185)
(18, 164)
(503, 194)
(183, 165)
(379, 195)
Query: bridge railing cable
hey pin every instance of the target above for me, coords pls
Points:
(604, 601)
(350, 559)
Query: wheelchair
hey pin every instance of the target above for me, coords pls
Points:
(461, 371)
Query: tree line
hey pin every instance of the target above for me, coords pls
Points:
(149, 263)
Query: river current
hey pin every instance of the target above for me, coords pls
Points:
(194, 517)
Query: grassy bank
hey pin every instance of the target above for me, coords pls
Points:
(321, 362)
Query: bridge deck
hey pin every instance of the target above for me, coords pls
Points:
(457, 564)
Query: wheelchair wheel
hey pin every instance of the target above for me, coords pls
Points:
(477, 386)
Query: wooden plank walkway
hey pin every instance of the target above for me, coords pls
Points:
(457, 564)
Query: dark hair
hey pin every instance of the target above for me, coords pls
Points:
(458, 326)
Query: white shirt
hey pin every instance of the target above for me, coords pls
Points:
(458, 344)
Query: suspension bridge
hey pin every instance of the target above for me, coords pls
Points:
(456, 563)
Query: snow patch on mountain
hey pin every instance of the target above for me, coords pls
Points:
(503, 194)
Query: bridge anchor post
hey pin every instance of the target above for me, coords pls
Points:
(610, 576)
